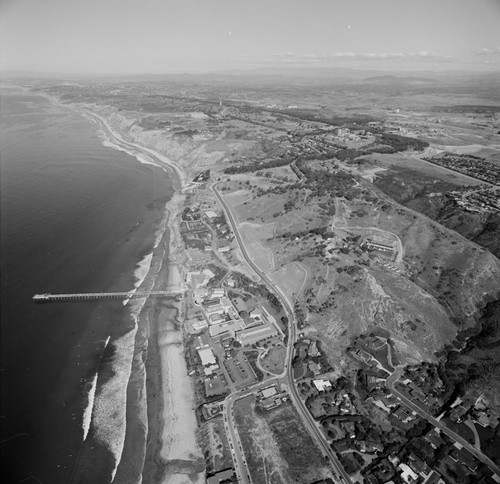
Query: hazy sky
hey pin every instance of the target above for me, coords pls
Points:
(156, 36)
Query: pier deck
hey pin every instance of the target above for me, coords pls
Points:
(47, 297)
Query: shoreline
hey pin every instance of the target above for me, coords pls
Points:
(172, 435)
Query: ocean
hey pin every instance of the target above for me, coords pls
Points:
(76, 216)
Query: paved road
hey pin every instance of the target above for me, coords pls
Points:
(478, 454)
(288, 371)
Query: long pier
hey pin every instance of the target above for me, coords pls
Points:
(48, 297)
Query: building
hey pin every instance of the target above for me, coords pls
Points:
(253, 335)
(218, 292)
(226, 328)
(202, 342)
(404, 414)
(434, 439)
(211, 214)
(373, 245)
(207, 356)
(434, 478)
(269, 392)
(464, 457)
(199, 325)
(261, 314)
(214, 309)
(198, 115)
(221, 476)
(322, 385)
(408, 475)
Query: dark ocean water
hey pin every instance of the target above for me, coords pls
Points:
(75, 217)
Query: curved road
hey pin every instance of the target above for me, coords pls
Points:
(478, 454)
(399, 256)
(288, 371)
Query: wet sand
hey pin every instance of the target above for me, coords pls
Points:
(159, 373)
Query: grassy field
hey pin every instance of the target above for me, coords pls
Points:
(290, 278)
(274, 360)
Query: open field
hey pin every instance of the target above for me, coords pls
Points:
(277, 447)
(274, 360)
(313, 190)
(291, 279)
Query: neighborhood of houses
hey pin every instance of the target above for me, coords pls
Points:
(229, 330)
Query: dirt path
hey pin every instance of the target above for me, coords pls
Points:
(334, 225)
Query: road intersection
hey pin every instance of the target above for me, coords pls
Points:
(287, 374)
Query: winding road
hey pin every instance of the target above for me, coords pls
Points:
(400, 249)
(286, 375)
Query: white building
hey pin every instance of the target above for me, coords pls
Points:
(199, 325)
(218, 292)
(253, 335)
(322, 385)
(269, 392)
(207, 356)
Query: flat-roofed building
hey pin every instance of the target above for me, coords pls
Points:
(269, 392)
(250, 336)
(202, 342)
(211, 214)
(226, 303)
(216, 318)
(221, 476)
(218, 292)
(226, 328)
(267, 317)
(322, 385)
(199, 325)
(214, 310)
(207, 356)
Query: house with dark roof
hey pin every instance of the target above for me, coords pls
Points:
(464, 457)
(434, 439)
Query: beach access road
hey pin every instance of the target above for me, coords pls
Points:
(287, 374)
(436, 423)
(240, 463)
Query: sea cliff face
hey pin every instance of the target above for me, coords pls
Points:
(189, 152)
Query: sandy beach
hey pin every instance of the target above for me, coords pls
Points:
(173, 455)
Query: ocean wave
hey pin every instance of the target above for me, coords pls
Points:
(142, 158)
(87, 414)
(109, 416)
(160, 231)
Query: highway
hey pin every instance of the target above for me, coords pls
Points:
(288, 370)
(478, 454)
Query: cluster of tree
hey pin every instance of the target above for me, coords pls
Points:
(271, 297)
(203, 176)
(323, 231)
(402, 143)
(325, 182)
(357, 121)
(478, 359)
(251, 357)
(258, 165)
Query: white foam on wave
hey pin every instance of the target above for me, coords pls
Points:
(109, 415)
(140, 157)
(161, 229)
(107, 404)
(87, 414)
(110, 407)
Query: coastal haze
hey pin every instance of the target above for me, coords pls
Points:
(265, 236)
